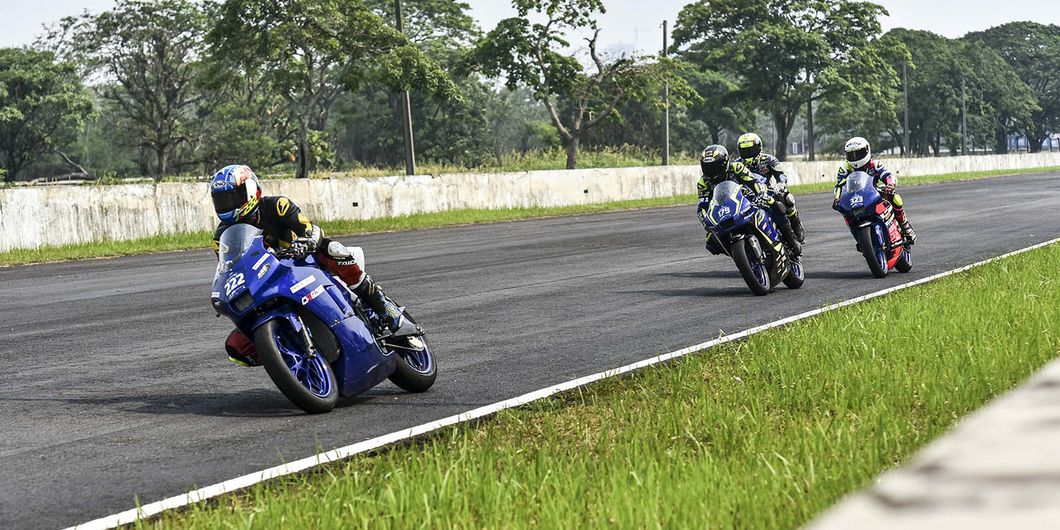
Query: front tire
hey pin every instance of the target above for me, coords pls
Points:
(307, 381)
(875, 256)
(416, 369)
(755, 273)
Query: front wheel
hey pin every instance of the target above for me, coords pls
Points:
(416, 370)
(750, 261)
(875, 255)
(307, 380)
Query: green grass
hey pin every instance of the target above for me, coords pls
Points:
(172, 242)
(762, 433)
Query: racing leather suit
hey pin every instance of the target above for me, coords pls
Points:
(887, 184)
(284, 225)
(758, 190)
(769, 167)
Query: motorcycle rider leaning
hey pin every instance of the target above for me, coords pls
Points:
(237, 198)
(716, 167)
(750, 147)
(859, 158)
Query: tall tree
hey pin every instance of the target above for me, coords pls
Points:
(146, 55)
(531, 54)
(785, 53)
(1033, 51)
(309, 51)
(42, 107)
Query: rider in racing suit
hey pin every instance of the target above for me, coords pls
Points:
(750, 145)
(237, 198)
(859, 158)
(717, 169)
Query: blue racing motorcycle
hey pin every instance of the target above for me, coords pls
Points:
(871, 221)
(316, 340)
(746, 232)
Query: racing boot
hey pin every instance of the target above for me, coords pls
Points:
(790, 240)
(796, 225)
(904, 226)
(387, 310)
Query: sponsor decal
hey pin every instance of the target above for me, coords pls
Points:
(312, 295)
(303, 284)
(234, 283)
(264, 270)
(219, 184)
(283, 206)
(261, 260)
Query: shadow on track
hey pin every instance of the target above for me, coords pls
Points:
(702, 275)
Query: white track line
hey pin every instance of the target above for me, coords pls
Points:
(199, 495)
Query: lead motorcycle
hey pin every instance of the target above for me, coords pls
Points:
(871, 221)
(748, 234)
(316, 340)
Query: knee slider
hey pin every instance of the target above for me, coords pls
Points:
(896, 200)
(338, 251)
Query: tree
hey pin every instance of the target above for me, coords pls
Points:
(577, 99)
(1033, 51)
(785, 53)
(42, 107)
(309, 51)
(147, 54)
(1004, 103)
(722, 107)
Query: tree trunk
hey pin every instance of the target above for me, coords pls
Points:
(301, 168)
(783, 129)
(163, 162)
(1001, 142)
(572, 152)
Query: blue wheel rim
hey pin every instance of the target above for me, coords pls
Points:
(881, 255)
(759, 268)
(796, 269)
(311, 372)
(420, 359)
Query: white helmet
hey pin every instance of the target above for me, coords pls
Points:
(858, 152)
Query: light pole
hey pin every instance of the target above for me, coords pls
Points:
(666, 98)
(405, 103)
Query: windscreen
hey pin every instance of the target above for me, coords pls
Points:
(857, 181)
(723, 191)
(235, 241)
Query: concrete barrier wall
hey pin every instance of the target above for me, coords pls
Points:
(31, 217)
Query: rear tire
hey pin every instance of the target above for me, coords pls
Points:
(416, 370)
(905, 263)
(266, 339)
(875, 257)
(797, 276)
(758, 283)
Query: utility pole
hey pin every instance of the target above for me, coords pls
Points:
(809, 127)
(964, 120)
(405, 104)
(666, 98)
(905, 105)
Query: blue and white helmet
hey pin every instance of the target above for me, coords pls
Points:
(235, 193)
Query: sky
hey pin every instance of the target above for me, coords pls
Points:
(628, 24)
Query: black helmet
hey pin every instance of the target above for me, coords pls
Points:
(750, 147)
(714, 161)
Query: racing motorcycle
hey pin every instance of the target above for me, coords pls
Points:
(871, 220)
(316, 340)
(746, 232)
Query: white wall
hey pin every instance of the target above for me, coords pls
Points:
(31, 217)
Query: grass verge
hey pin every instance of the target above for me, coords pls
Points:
(762, 433)
(172, 242)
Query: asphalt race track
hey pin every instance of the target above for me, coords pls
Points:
(118, 386)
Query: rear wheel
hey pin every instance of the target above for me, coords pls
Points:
(905, 262)
(307, 380)
(875, 256)
(750, 260)
(797, 276)
(416, 370)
